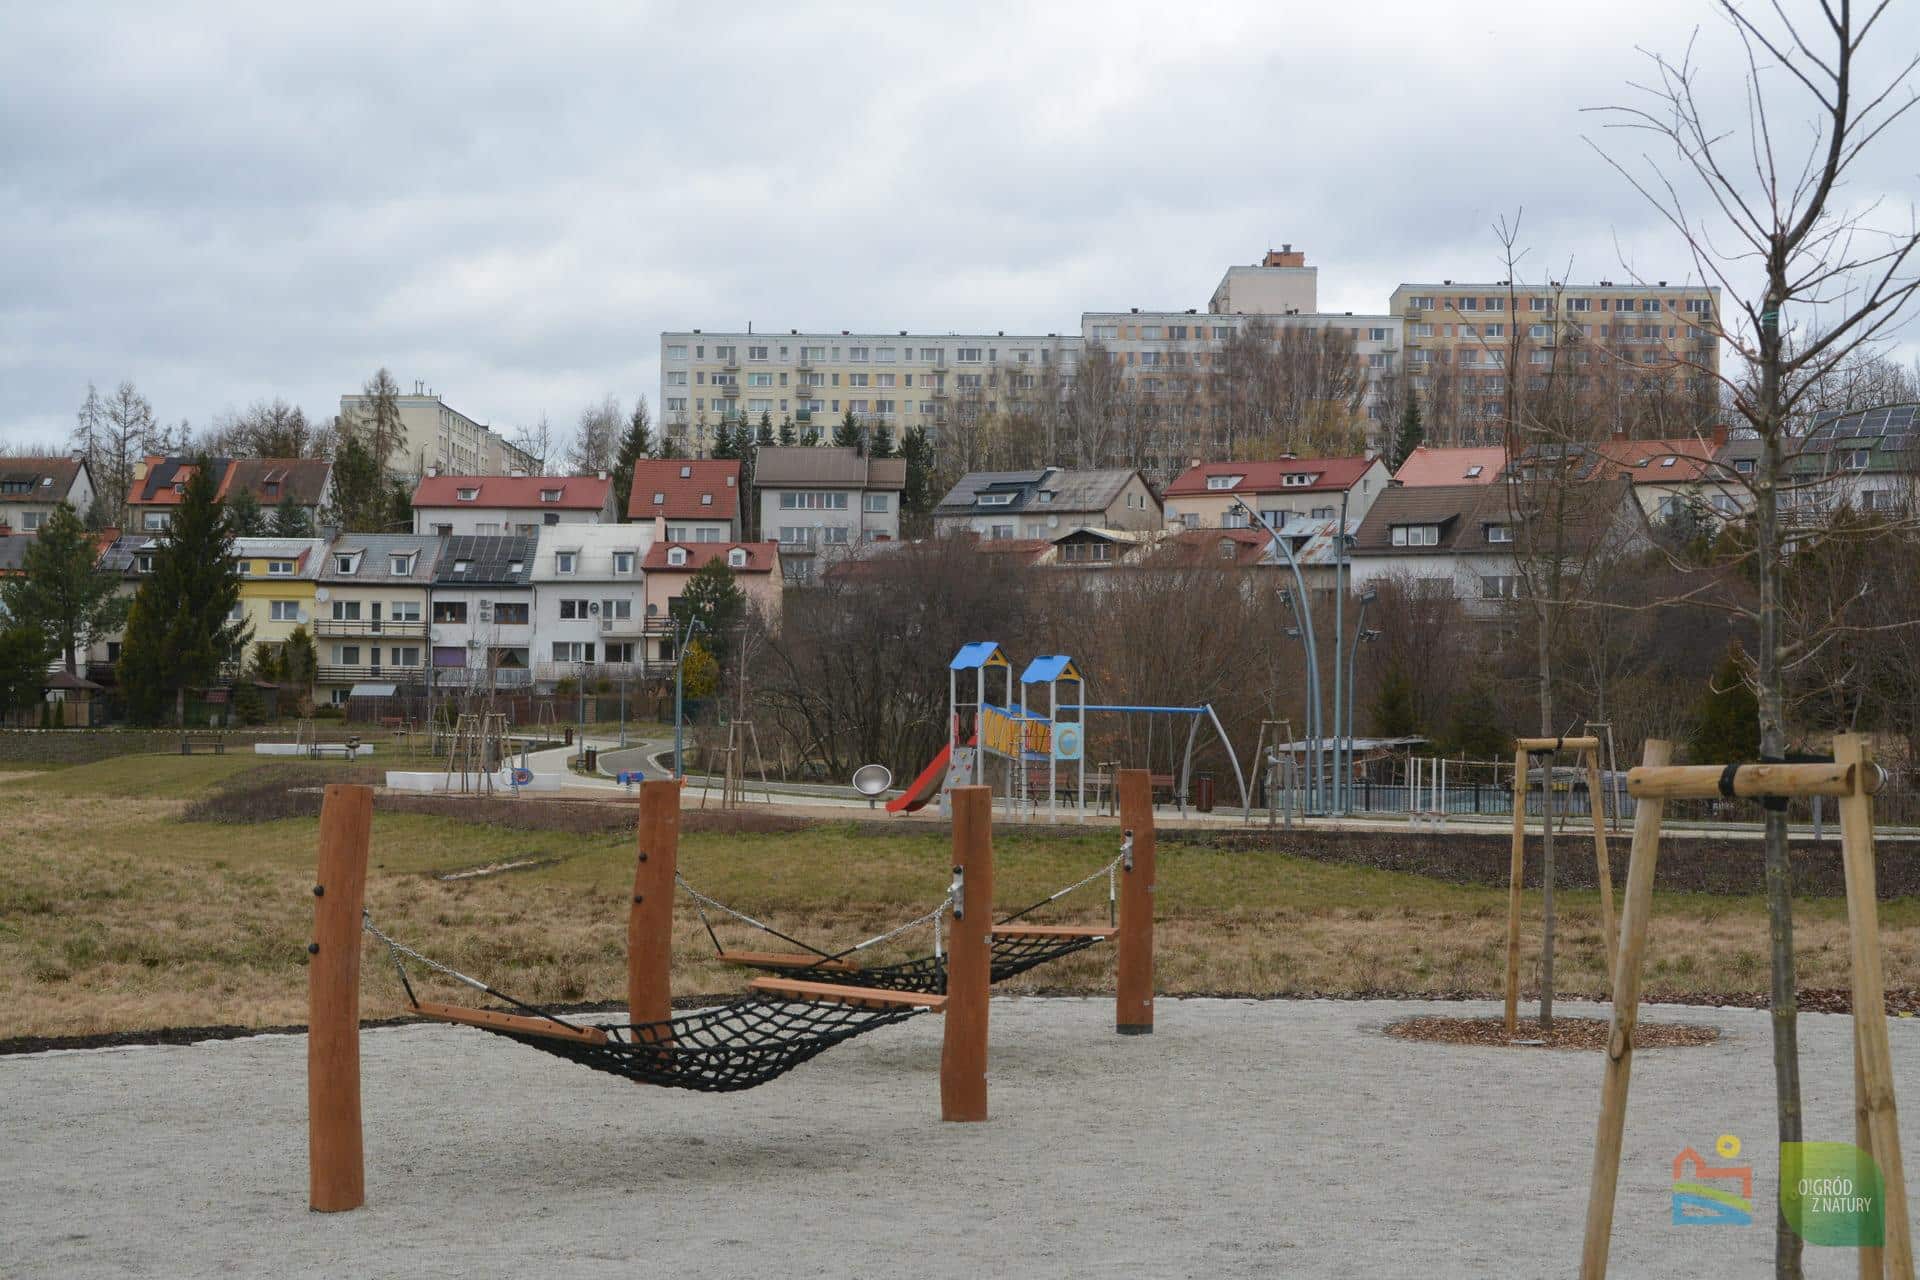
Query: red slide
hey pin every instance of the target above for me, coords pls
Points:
(924, 788)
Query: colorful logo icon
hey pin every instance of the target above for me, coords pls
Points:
(1705, 1195)
(1830, 1194)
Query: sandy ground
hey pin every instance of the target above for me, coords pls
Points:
(1242, 1139)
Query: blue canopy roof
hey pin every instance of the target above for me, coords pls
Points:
(981, 653)
(1049, 667)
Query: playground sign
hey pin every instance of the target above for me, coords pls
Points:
(1067, 742)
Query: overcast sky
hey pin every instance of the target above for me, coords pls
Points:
(511, 202)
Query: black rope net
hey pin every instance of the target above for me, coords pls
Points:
(739, 1045)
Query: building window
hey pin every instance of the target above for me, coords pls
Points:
(1503, 586)
(1299, 479)
(623, 562)
(346, 611)
(1499, 533)
(565, 561)
(1416, 535)
(404, 610)
(1579, 304)
(1855, 459)
(511, 613)
(573, 610)
(454, 611)
(737, 558)
(877, 502)
(1226, 482)
(676, 555)
(968, 355)
(284, 610)
(573, 651)
(467, 495)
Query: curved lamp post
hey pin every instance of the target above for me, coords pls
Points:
(1303, 617)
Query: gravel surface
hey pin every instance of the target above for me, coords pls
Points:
(1280, 1138)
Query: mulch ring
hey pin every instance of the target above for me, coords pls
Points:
(1567, 1033)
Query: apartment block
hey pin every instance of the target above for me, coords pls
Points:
(900, 379)
(438, 436)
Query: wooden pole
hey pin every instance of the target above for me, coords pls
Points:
(1875, 1056)
(1702, 781)
(1602, 869)
(1133, 996)
(1556, 744)
(963, 1048)
(1645, 853)
(650, 916)
(1516, 869)
(1872, 1257)
(336, 1167)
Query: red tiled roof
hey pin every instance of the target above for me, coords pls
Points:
(1202, 546)
(1430, 466)
(1012, 546)
(761, 556)
(680, 483)
(577, 493)
(1267, 477)
(1643, 461)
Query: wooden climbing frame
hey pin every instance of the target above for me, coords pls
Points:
(1852, 778)
(1523, 751)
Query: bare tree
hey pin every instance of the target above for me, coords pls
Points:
(1813, 282)
(598, 438)
(123, 432)
(537, 443)
(379, 426)
(264, 429)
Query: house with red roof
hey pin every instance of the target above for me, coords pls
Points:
(1428, 465)
(1208, 495)
(500, 506)
(688, 499)
(669, 566)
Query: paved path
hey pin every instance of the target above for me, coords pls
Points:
(1242, 1139)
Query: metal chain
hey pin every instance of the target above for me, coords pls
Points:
(396, 949)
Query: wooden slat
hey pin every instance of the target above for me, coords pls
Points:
(833, 993)
(1097, 932)
(487, 1018)
(784, 959)
(1602, 870)
(1556, 744)
(1702, 781)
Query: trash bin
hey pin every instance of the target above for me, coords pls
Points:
(569, 735)
(1203, 793)
(593, 759)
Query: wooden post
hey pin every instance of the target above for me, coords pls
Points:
(1874, 1077)
(1516, 870)
(1133, 994)
(1638, 902)
(336, 1169)
(650, 916)
(1872, 1257)
(1603, 871)
(963, 1049)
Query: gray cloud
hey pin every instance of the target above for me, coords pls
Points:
(511, 203)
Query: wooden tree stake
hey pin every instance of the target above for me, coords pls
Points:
(1602, 869)
(1133, 995)
(1516, 870)
(336, 1168)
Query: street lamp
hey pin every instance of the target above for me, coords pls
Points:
(1303, 616)
(681, 639)
(1360, 632)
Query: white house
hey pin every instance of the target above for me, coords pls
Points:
(590, 597)
(482, 506)
(481, 619)
(30, 489)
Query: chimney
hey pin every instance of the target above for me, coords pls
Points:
(1719, 436)
(433, 471)
(600, 475)
(1619, 433)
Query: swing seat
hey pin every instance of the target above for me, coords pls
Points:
(488, 1020)
(834, 993)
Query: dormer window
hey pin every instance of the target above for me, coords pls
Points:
(623, 562)
(179, 486)
(1416, 535)
(676, 555)
(564, 561)
(271, 488)
(1046, 495)
(658, 497)
(347, 564)
(279, 568)
(467, 495)
(1499, 533)
(1854, 459)
(994, 499)
(1299, 479)
(143, 563)
(400, 566)
(737, 558)
(549, 495)
(1223, 482)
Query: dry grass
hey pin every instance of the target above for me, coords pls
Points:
(117, 915)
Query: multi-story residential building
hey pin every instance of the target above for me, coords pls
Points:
(458, 506)
(1207, 495)
(688, 499)
(1429, 465)
(440, 437)
(590, 598)
(372, 607)
(1864, 458)
(819, 500)
(898, 379)
(1641, 358)
(1045, 503)
(160, 485)
(1281, 283)
(669, 566)
(279, 578)
(480, 620)
(31, 488)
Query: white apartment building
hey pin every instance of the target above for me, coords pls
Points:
(819, 500)
(480, 623)
(1281, 283)
(482, 506)
(590, 597)
(900, 379)
(440, 436)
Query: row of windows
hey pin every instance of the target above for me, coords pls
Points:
(1692, 306)
(862, 355)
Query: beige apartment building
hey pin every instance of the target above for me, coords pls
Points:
(900, 379)
(440, 436)
(1644, 353)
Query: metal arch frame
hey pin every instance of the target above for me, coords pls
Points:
(1193, 730)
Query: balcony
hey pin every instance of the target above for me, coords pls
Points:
(731, 364)
(336, 673)
(475, 677)
(804, 364)
(731, 391)
(623, 626)
(615, 672)
(407, 630)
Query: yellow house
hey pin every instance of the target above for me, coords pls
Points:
(278, 577)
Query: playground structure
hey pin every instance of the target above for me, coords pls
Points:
(1852, 778)
(1523, 750)
(1030, 747)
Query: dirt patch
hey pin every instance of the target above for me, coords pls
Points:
(1567, 1033)
(271, 792)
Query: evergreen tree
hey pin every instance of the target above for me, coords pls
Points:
(1728, 727)
(882, 443)
(917, 498)
(290, 520)
(787, 436)
(245, 516)
(765, 434)
(296, 664)
(361, 501)
(725, 445)
(23, 667)
(1474, 728)
(1411, 432)
(1393, 706)
(714, 599)
(810, 437)
(847, 433)
(61, 589)
(185, 606)
(635, 445)
(399, 517)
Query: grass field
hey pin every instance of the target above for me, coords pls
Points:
(116, 914)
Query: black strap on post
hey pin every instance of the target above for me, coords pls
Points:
(1726, 780)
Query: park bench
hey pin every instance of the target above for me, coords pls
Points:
(214, 742)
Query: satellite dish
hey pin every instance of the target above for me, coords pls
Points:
(871, 780)
(322, 594)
